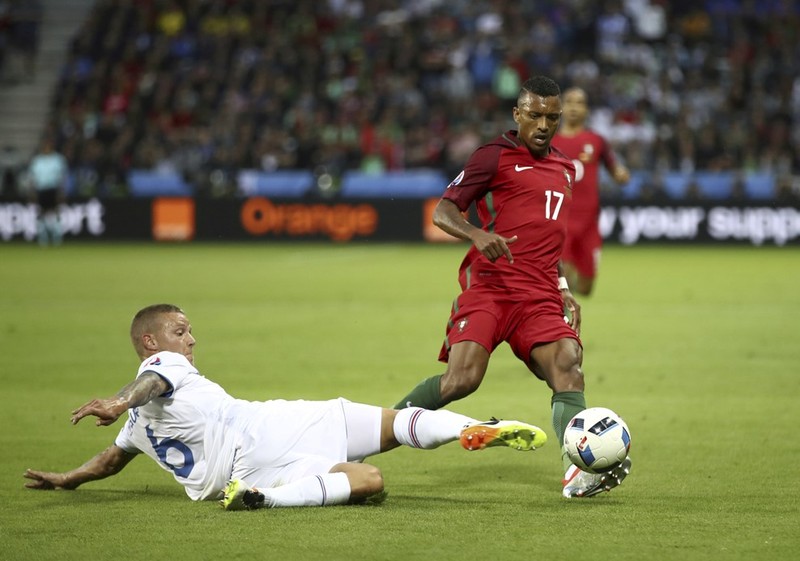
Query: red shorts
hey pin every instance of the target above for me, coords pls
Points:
(582, 246)
(489, 317)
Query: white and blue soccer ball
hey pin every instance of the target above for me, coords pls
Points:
(597, 440)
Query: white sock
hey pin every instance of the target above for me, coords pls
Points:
(423, 428)
(316, 490)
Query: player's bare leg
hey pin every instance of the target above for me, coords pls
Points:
(559, 364)
(365, 480)
(466, 367)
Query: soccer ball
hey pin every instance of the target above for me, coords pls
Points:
(597, 440)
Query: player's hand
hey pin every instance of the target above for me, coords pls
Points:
(494, 246)
(574, 310)
(106, 410)
(47, 481)
(621, 175)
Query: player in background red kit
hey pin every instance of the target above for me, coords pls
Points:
(587, 149)
(512, 287)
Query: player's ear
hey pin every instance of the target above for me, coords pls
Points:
(149, 342)
(515, 114)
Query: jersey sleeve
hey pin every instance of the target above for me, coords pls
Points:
(607, 154)
(476, 178)
(172, 367)
(124, 439)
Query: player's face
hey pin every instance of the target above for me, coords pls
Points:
(537, 118)
(175, 335)
(576, 107)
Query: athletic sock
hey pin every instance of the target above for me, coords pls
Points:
(55, 230)
(425, 395)
(316, 490)
(41, 232)
(565, 406)
(421, 428)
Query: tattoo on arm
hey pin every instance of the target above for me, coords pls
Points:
(105, 464)
(143, 389)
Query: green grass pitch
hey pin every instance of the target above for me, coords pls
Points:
(697, 348)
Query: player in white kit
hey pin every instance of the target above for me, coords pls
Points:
(257, 454)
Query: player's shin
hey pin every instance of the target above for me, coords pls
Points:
(426, 394)
(420, 428)
(565, 405)
(316, 490)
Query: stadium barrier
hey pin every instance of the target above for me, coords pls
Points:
(380, 220)
(709, 185)
(423, 183)
(411, 184)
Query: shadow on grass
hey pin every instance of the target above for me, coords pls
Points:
(156, 494)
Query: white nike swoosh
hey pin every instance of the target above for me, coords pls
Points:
(522, 168)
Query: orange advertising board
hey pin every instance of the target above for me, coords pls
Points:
(173, 218)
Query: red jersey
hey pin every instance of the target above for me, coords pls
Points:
(516, 194)
(586, 149)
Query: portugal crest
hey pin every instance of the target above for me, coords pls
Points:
(568, 177)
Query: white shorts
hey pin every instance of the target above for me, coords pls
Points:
(290, 440)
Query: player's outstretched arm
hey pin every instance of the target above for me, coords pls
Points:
(621, 174)
(107, 463)
(449, 218)
(143, 389)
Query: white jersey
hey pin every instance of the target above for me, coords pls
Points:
(204, 436)
(191, 431)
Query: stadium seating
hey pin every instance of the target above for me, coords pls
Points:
(211, 94)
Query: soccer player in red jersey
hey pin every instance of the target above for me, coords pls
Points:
(587, 149)
(512, 285)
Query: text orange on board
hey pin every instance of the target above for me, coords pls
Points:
(340, 222)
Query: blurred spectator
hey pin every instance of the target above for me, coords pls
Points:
(653, 191)
(171, 20)
(5, 26)
(613, 31)
(693, 194)
(787, 190)
(48, 177)
(12, 163)
(24, 19)
(738, 189)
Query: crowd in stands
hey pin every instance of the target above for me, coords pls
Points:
(208, 87)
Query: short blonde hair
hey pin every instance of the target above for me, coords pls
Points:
(145, 322)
